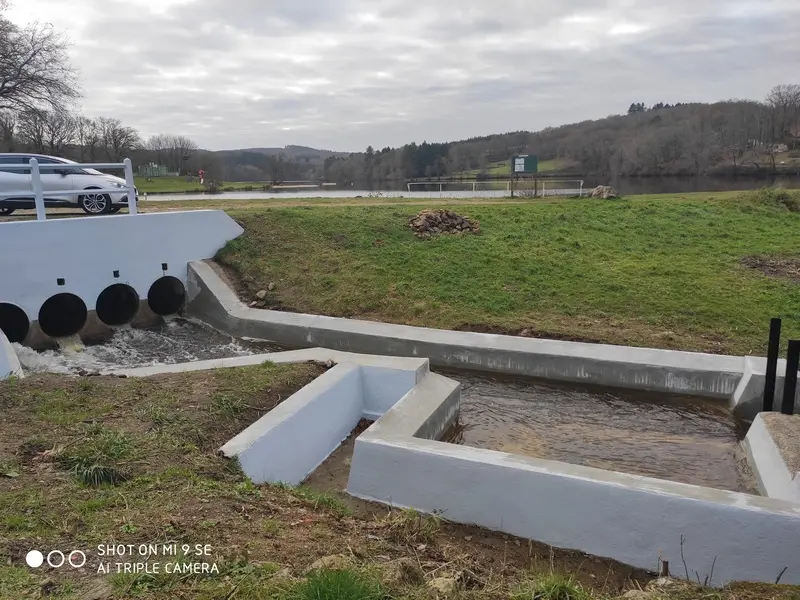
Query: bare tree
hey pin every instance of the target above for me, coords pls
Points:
(173, 151)
(117, 139)
(59, 127)
(34, 68)
(88, 137)
(33, 130)
(276, 169)
(8, 126)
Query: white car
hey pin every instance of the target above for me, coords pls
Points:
(70, 177)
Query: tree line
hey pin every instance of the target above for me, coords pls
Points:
(663, 139)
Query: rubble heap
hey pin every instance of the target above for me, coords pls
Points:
(432, 222)
(606, 192)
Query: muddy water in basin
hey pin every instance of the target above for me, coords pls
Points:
(667, 436)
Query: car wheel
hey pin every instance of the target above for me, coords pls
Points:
(6, 210)
(95, 204)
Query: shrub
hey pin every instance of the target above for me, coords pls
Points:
(774, 198)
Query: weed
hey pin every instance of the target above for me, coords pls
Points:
(271, 527)
(411, 527)
(228, 405)
(321, 500)
(552, 586)
(773, 198)
(337, 585)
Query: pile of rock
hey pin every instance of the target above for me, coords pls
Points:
(603, 191)
(432, 222)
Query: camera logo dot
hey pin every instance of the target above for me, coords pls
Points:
(74, 557)
(55, 559)
(53, 556)
(34, 558)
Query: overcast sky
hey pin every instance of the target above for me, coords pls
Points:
(342, 74)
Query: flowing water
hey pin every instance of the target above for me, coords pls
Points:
(178, 340)
(666, 436)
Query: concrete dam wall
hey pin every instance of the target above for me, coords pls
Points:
(63, 277)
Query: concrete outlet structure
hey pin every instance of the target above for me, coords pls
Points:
(84, 276)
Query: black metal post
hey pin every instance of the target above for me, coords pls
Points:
(790, 380)
(773, 350)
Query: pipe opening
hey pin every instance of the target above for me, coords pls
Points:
(62, 315)
(14, 323)
(117, 304)
(166, 296)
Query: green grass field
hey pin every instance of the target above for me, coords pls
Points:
(661, 271)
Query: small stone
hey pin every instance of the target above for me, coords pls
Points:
(284, 573)
(403, 572)
(445, 587)
(662, 582)
(637, 595)
(100, 591)
(334, 562)
(253, 303)
(271, 286)
(261, 295)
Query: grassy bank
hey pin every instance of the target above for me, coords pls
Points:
(103, 460)
(182, 184)
(109, 461)
(669, 272)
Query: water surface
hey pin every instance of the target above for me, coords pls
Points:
(673, 437)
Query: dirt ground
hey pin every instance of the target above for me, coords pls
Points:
(776, 266)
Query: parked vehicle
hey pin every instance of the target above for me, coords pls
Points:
(70, 177)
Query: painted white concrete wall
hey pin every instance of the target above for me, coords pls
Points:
(384, 387)
(86, 251)
(291, 440)
(631, 519)
(9, 362)
(775, 480)
(639, 368)
(748, 398)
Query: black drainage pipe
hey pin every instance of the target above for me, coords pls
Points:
(117, 304)
(166, 296)
(773, 349)
(62, 315)
(14, 323)
(790, 379)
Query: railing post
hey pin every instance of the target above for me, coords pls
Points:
(131, 186)
(790, 379)
(38, 193)
(773, 349)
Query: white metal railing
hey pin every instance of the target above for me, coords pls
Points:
(38, 191)
(475, 184)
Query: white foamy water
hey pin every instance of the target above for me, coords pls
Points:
(178, 340)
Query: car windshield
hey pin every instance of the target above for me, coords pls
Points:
(85, 170)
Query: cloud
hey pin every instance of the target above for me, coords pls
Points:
(345, 74)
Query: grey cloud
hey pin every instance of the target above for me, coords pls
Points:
(345, 74)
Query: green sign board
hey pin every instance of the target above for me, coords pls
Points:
(524, 163)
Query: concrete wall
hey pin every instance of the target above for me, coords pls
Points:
(631, 519)
(9, 363)
(291, 440)
(639, 368)
(85, 253)
(775, 480)
(748, 398)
